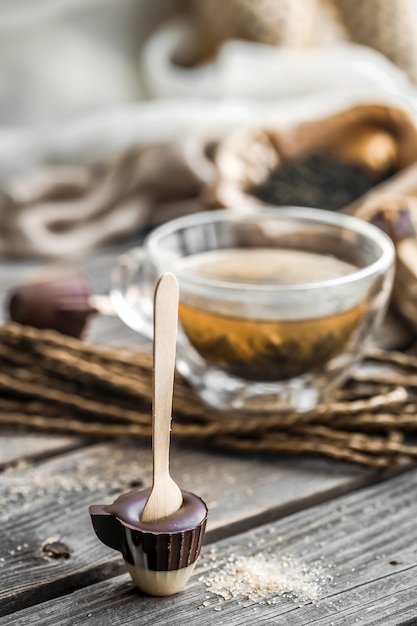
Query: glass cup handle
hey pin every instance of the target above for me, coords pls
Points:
(127, 291)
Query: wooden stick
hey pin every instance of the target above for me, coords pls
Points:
(165, 497)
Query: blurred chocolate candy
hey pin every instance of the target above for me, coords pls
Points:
(60, 303)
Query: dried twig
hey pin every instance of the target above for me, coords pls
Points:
(58, 384)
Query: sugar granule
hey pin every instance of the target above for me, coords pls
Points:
(27, 483)
(262, 577)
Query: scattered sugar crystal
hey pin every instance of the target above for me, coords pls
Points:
(262, 577)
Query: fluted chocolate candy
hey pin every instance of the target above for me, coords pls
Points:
(160, 556)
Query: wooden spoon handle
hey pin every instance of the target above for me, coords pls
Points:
(165, 336)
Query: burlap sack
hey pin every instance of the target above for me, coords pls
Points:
(393, 207)
(287, 22)
(389, 27)
(376, 137)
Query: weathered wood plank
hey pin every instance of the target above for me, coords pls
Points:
(22, 445)
(361, 548)
(50, 499)
(241, 492)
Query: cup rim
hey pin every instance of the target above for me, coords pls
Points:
(303, 214)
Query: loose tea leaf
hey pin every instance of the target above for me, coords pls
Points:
(317, 180)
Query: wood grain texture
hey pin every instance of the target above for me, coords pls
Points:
(362, 548)
(364, 543)
(24, 446)
(49, 500)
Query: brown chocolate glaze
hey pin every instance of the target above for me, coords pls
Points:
(129, 506)
(170, 543)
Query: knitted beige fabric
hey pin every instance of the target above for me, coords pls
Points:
(389, 26)
(277, 22)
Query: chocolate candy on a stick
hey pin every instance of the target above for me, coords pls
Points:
(61, 302)
(160, 556)
(159, 531)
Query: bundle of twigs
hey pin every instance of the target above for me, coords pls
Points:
(58, 384)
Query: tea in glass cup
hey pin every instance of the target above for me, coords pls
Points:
(275, 306)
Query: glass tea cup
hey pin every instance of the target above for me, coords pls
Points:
(275, 306)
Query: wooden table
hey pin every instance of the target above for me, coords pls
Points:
(341, 540)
